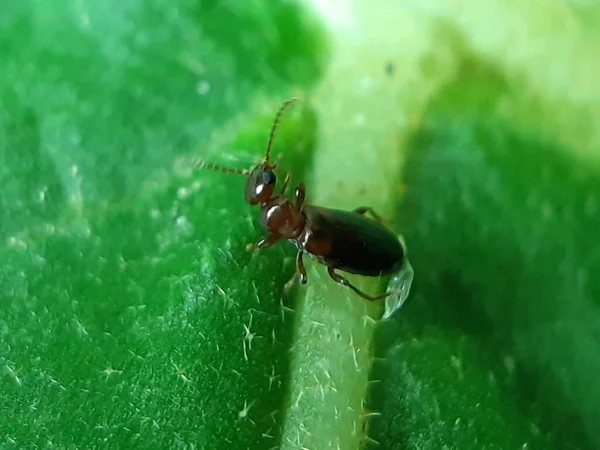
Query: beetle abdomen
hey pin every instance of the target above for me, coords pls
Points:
(350, 242)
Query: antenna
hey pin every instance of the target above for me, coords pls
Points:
(210, 166)
(282, 108)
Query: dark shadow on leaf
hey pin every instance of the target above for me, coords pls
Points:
(500, 226)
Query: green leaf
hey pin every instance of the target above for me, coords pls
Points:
(131, 313)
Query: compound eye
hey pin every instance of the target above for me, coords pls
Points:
(268, 178)
(260, 185)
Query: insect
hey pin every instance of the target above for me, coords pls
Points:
(347, 241)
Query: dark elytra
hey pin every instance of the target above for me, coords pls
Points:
(341, 240)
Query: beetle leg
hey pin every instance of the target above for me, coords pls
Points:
(299, 273)
(267, 241)
(299, 195)
(300, 269)
(344, 282)
(286, 181)
(287, 286)
(364, 209)
(276, 163)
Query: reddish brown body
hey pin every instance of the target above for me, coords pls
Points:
(341, 240)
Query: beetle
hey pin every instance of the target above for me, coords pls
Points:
(347, 241)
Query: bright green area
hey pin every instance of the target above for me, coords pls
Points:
(131, 314)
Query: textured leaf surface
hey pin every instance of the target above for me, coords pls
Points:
(131, 314)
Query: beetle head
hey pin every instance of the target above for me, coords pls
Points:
(260, 186)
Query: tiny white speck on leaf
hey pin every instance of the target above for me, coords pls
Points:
(80, 328)
(16, 242)
(110, 371)
(183, 223)
(367, 82)
(183, 193)
(38, 260)
(76, 199)
(203, 87)
(12, 373)
(244, 412)
(42, 193)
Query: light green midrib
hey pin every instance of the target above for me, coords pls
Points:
(334, 327)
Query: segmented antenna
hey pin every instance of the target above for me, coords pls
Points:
(210, 166)
(282, 108)
(199, 163)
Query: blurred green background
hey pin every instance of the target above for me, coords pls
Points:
(131, 313)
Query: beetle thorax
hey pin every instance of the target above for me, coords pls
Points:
(281, 217)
